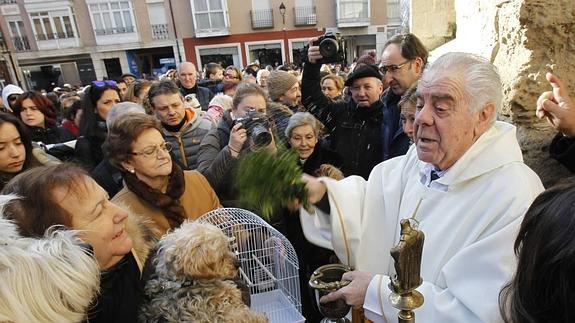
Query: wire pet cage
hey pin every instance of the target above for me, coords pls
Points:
(269, 264)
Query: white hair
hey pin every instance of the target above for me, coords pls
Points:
(480, 81)
(123, 108)
(52, 279)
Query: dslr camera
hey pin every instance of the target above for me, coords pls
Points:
(331, 47)
(256, 126)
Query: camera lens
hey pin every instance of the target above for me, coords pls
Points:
(261, 136)
(328, 47)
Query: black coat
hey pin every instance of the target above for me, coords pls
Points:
(563, 150)
(50, 135)
(363, 137)
(88, 151)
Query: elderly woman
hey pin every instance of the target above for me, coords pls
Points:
(407, 105)
(332, 86)
(15, 148)
(99, 98)
(66, 195)
(154, 186)
(303, 135)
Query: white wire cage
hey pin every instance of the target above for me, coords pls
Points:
(269, 264)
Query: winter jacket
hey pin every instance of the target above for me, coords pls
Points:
(88, 150)
(186, 142)
(204, 95)
(363, 137)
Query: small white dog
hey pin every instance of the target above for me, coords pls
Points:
(193, 279)
(52, 279)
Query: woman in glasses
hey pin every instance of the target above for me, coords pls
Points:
(99, 98)
(39, 115)
(154, 187)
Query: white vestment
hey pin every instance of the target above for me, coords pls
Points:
(470, 218)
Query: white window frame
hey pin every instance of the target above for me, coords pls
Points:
(114, 28)
(290, 45)
(236, 45)
(352, 24)
(212, 31)
(51, 16)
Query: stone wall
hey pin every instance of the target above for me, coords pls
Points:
(524, 39)
(433, 21)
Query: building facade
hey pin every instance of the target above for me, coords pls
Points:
(47, 43)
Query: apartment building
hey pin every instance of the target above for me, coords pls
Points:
(46, 43)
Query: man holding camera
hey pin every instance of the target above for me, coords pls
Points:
(182, 127)
(367, 129)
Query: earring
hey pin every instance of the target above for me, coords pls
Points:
(132, 171)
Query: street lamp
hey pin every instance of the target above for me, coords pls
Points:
(283, 13)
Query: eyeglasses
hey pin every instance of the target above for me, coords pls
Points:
(154, 150)
(104, 83)
(12, 97)
(392, 68)
(231, 76)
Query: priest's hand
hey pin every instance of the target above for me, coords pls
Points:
(354, 293)
(315, 189)
(557, 107)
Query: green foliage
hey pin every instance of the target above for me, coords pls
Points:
(267, 182)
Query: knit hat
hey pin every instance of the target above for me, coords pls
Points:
(279, 82)
(368, 58)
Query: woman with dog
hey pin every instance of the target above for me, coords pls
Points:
(154, 186)
(66, 195)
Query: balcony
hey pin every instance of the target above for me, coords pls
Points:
(21, 44)
(56, 41)
(7, 2)
(263, 18)
(113, 31)
(305, 16)
(160, 31)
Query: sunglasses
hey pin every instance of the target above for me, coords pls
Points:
(104, 83)
(12, 98)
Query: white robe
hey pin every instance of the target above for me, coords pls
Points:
(470, 218)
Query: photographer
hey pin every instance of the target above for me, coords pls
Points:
(242, 129)
(361, 130)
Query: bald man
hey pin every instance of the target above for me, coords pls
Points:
(188, 76)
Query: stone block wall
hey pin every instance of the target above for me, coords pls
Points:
(433, 21)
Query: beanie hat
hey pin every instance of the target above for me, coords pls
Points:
(362, 71)
(279, 82)
(368, 58)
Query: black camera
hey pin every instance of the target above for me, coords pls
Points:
(331, 47)
(256, 126)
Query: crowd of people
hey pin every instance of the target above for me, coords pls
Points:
(123, 162)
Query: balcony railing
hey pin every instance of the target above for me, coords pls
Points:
(53, 36)
(305, 16)
(7, 2)
(263, 18)
(21, 43)
(117, 30)
(160, 31)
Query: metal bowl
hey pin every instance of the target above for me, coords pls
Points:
(327, 279)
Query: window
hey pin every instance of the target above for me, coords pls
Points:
(18, 35)
(209, 16)
(112, 17)
(52, 25)
(158, 20)
(353, 11)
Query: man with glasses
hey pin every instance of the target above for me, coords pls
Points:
(183, 128)
(188, 76)
(10, 94)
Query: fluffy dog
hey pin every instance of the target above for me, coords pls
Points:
(53, 279)
(192, 280)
